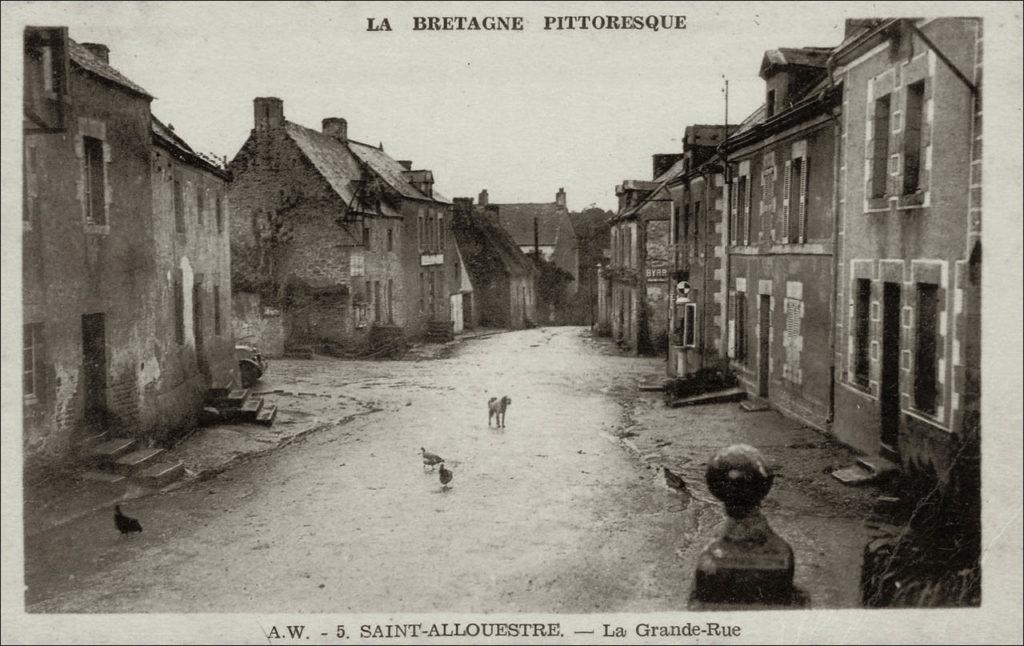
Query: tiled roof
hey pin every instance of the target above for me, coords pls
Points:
(82, 57)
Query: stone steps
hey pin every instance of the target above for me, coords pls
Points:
(136, 461)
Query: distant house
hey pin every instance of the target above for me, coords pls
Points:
(637, 273)
(534, 225)
(502, 277)
(126, 300)
(337, 236)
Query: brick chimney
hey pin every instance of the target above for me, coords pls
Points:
(98, 50)
(335, 127)
(268, 111)
(482, 199)
(405, 163)
(560, 198)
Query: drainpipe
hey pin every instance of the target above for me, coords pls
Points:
(837, 310)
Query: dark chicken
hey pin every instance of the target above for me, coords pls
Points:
(429, 459)
(125, 524)
(445, 476)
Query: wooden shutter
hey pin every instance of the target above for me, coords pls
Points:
(786, 186)
(746, 212)
(732, 325)
(734, 210)
(802, 215)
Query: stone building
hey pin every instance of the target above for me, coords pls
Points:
(544, 230)
(781, 236)
(637, 273)
(909, 209)
(697, 329)
(590, 244)
(501, 276)
(126, 306)
(336, 235)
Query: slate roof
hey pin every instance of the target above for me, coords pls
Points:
(168, 139)
(390, 171)
(82, 57)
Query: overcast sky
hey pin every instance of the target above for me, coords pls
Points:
(518, 113)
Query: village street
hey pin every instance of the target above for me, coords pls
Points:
(552, 513)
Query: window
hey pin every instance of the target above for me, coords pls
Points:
(391, 240)
(912, 138)
(880, 147)
(674, 228)
(697, 241)
(744, 207)
(179, 207)
(95, 182)
(220, 214)
(440, 234)
(687, 239)
(769, 104)
(420, 239)
(200, 203)
(48, 84)
(861, 331)
(926, 360)
(31, 341)
(794, 197)
(30, 201)
(690, 325)
(179, 307)
(366, 237)
(216, 310)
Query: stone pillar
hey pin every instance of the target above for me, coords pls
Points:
(749, 564)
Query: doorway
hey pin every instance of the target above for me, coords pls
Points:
(889, 387)
(94, 368)
(197, 327)
(764, 314)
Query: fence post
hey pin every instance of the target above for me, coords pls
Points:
(749, 564)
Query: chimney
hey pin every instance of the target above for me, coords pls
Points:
(560, 198)
(482, 199)
(98, 50)
(405, 164)
(268, 111)
(664, 162)
(335, 127)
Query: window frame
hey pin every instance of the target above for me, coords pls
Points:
(95, 168)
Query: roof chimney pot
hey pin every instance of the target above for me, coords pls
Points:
(335, 127)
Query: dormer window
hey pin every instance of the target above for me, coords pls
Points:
(770, 104)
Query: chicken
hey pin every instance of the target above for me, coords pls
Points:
(446, 477)
(429, 459)
(125, 524)
(674, 480)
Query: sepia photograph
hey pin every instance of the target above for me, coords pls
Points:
(493, 322)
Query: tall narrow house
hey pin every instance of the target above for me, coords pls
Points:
(909, 253)
(126, 306)
(781, 236)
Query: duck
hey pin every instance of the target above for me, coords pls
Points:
(430, 459)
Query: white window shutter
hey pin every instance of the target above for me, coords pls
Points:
(802, 216)
(786, 185)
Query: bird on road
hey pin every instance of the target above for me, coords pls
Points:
(125, 524)
(445, 476)
(430, 459)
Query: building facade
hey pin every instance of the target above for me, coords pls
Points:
(697, 329)
(638, 270)
(339, 237)
(111, 337)
(780, 253)
(909, 238)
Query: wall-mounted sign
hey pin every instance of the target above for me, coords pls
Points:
(657, 273)
(428, 259)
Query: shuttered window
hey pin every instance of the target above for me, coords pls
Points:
(926, 359)
(861, 330)
(880, 147)
(95, 181)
